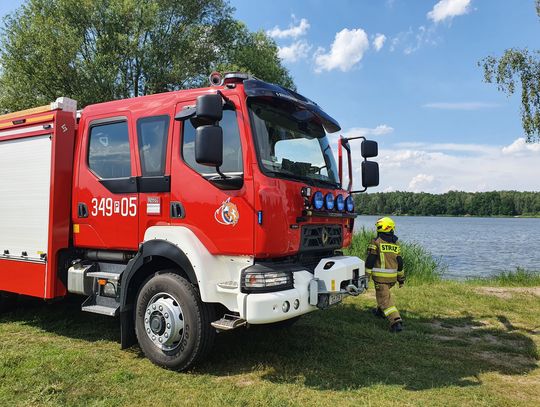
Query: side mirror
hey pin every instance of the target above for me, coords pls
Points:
(369, 148)
(208, 110)
(209, 145)
(370, 173)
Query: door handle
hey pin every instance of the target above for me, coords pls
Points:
(82, 210)
(177, 210)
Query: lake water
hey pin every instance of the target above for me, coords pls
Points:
(471, 247)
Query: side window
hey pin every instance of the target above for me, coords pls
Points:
(108, 153)
(232, 147)
(152, 134)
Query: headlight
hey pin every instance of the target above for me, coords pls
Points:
(349, 202)
(318, 200)
(340, 202)
(329, 201)
(258, 281)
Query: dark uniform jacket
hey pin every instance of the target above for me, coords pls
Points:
(384, 262)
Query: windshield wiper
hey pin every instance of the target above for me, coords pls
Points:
(290, 175)
(322, 181)
(307, 180)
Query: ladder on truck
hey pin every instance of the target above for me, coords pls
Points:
(34, 196)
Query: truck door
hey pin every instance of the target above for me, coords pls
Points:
(221, 215)
(154, 156)
(105, 200)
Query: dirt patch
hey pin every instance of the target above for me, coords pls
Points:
(244, 383)
(471, 333)
(444, 337)
(459, 329)
(508, 360)
(507, 292)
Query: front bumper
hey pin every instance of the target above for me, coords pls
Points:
(333, 278)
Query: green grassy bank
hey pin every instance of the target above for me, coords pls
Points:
(421, 267)
(472, 343)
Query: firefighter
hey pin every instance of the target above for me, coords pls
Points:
(385, 266)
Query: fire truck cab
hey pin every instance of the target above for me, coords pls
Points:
(184, 214)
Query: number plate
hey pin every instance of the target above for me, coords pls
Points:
(334, 299)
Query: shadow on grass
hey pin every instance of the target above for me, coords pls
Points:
(345, 348)
(63, 318)
(341, 349)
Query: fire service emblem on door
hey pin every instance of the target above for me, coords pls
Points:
(227, 213)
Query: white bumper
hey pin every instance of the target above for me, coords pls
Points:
(309, 293)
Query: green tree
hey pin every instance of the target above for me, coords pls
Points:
(98, 50)
(519, 67)
(451, 203)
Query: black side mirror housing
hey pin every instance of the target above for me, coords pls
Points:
(370, 174)
(209, 145)
(369, 149)
(210, 108)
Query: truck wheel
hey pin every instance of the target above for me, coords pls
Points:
(7, 301)
(172, 323)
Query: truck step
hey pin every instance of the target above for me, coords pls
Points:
(106, 275)
(101, 305)
(101, 309)
(228, 322)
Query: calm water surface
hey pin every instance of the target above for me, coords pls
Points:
(472, 246)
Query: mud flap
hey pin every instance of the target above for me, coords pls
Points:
(127, 329)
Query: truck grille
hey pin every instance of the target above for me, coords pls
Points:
(317, 237)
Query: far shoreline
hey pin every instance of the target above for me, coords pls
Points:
(455, 216)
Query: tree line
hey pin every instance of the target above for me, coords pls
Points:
(452, 203)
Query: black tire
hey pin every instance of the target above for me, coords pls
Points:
(7, 301)
(197, 335)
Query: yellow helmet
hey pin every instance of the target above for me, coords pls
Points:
(385, 225)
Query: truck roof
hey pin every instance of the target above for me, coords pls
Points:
(251, 86)
(143, 103)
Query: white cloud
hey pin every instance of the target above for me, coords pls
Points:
(380, 130)
(470, 148)
(378, 42)
(441, 167)
(448, 9)
(421, 183)
(461, 105)
(412, 40)
(520, 147)
(294, 31)
(346, 51)
(294, 52)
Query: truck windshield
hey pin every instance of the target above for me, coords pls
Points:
(291, 144)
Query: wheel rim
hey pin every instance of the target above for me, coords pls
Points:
(164, 322)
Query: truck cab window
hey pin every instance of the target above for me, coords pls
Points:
(152, 135)
(232, 147)
(108, 154)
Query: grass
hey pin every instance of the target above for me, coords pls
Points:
(518, 278)
(420, 265)
(473, 343)
(461, 346)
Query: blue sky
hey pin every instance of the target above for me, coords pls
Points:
(405, 73)
(421, 95)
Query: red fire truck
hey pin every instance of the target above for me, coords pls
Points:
(184, 214)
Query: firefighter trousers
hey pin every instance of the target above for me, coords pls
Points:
(385, 302)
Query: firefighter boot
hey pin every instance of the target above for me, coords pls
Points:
(396, 327)
(377, 312)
